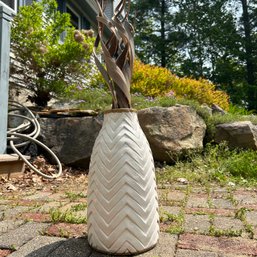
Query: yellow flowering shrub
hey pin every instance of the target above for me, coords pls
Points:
(151, 80)
(156, 81)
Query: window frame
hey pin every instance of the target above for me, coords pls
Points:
(67, 5)
(13, 10)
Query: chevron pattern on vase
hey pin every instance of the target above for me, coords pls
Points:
(122, 198)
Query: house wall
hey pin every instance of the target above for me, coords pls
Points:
(5, 18)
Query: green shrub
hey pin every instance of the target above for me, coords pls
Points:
(234, 109)
(90, 98)
(243, 164)
(49, 66)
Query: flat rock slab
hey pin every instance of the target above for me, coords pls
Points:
(18, 237)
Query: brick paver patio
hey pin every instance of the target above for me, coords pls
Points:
(47, 219)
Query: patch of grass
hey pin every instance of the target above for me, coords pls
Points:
(249, 229)
(177, 230)
(243, 164)
(79, 207)
(171, 217)
(13, 248)
(216, 163)
(235, 109)
(68, 216)
(241, 214)
(176, 222)
(2, 216)
(141, 102)
(224, 232)
(213, 231)
(64, 233)
(97, 99)
(231, 198)
(74, 196)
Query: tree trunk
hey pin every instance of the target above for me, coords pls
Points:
(252, 94)
(163, 50)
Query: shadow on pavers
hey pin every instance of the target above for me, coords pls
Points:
(74, 247)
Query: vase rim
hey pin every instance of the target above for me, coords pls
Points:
(120, 110)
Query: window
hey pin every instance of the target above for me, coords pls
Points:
(74, 17)
(10, 4)
(77, 16)
(25, 2)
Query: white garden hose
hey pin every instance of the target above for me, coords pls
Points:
(18, 134)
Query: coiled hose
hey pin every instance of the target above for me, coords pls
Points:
(17, 136)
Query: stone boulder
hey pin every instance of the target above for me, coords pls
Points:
(242, 134)
(71, 139)
(172, 130)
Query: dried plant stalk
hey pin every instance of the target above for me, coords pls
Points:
(116, 38)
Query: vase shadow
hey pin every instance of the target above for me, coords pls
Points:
(72, 247)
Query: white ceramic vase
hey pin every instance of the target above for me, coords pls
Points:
(122, 198)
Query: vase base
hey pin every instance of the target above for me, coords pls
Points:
(124, 254)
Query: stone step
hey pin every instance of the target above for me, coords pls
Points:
(11, 165)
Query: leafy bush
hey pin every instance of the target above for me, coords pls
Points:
(48, 65)
(235, 109)
(156, 81)
(215, 163)
(151, 80)
(90, 98)
(243, 164)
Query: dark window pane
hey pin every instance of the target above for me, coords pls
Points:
(10, 3)
(28, 2)
(74, 18)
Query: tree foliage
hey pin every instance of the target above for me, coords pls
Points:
(50, 53)
(212, 39)
(153, 40)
